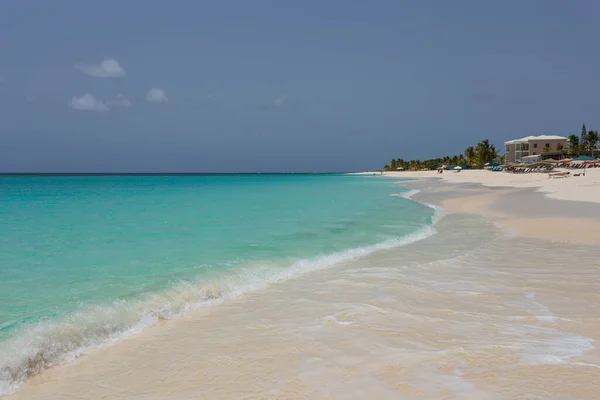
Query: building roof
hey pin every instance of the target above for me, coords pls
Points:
(540, 137)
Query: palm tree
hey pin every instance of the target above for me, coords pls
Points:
(470, 154)
(584, 142)
(592, 141)
(546, 149)
(485, 152)
(493, 152)
(573, 142)
(560, 148)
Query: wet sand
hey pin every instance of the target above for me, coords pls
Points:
(526, 212)
(484, 309)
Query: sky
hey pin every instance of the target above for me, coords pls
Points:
(281, 86)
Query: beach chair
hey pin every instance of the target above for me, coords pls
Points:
(558, 174)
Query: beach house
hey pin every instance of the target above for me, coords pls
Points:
(531, 148)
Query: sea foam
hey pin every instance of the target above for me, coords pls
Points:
(59, 341)
(410, 193)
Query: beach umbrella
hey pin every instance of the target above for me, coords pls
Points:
(457, 167)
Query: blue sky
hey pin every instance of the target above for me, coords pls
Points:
(224, 86)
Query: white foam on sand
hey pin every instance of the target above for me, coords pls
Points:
(56, 342)
(410, 193)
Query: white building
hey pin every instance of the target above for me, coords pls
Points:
(527, 148)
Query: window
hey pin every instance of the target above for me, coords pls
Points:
(548, 145)
(507, 148)
(535, 145)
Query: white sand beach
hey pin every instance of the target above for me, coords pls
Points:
(178, 220)
(574, 188)
(499, 304)
(577, 227)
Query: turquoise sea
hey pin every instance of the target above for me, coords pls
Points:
(88, 260)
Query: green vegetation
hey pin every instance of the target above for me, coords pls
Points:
(591, 141)
(560, 147)
(573, 142)
(477, 156)
(484, 152)
(586, 142)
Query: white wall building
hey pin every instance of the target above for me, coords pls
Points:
(522, 150)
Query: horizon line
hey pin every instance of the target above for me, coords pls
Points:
(163, 173)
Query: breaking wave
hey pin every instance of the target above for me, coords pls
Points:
(58, 341)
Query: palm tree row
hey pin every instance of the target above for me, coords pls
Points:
(474, 156)
(587, 141)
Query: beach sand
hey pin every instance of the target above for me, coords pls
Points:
(500, 304)
(574, 188)
(573, 221)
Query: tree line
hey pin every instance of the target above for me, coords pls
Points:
(587, 141)
(474, 156)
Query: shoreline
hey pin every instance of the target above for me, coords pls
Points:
(213, 295)
(575, 196)
(167, 345)
(573, 188)
(524, 211)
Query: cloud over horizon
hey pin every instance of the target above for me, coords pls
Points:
(87, 102)
(280, 100)
(121, 101)
(108, 68)
(156, 95)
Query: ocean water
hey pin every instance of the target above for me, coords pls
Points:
(86, 261)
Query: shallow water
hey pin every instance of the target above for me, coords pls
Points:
(87, 261)
(465, 314)
(468, 313)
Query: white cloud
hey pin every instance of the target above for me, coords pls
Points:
(156, 95)
(279, 101)
(87, 102)
(108, 68)
(121, 101)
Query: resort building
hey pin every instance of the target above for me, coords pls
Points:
(531, 148)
